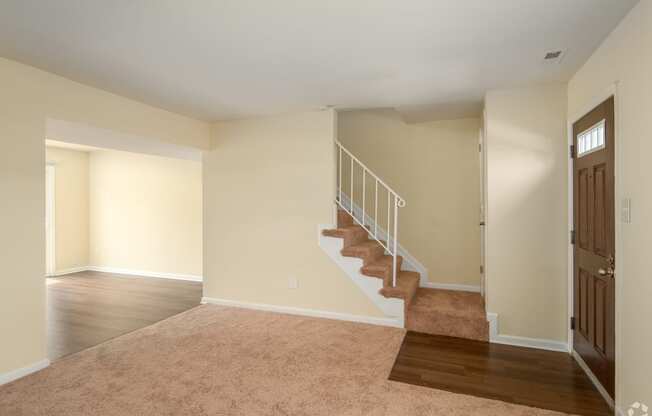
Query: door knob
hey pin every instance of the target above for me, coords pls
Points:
(609, 271)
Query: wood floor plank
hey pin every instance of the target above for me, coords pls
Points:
(544, 379)
(88, 308)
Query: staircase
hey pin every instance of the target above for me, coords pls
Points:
(433, 311)
(375, 263)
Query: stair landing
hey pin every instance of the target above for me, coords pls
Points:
(450, 313)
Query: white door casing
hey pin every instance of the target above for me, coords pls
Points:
(50, 252)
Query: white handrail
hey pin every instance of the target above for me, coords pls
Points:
(338, 144)
(391, 245)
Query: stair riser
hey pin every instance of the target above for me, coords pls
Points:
(350, 237)
(368, 255)
(384, 273)
(343, 219)
(372, 256)
(437, 324)
(392, 293)
(354, 238)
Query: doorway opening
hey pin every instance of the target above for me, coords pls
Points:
(127, 251)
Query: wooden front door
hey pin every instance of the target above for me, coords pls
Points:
(594, 253)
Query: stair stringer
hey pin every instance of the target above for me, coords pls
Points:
(392, 307)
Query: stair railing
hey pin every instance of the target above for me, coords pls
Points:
(362, 217)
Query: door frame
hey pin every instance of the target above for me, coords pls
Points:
(482, 147)
(50, 219)
(610, 91)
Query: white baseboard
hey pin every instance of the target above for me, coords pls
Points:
(144, 273)
(539, 343)
(492, 318)
(128, 272)
(22, 372)
(304, 312)
(452, 286)
(68, 271)
(542, 344)
(594, 380)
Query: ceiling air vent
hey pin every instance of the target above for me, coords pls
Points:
(553, 56)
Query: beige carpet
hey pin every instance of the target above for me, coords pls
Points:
(224, 361)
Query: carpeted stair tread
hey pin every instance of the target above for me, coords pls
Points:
(384, 264)
(382, 267)
(407, 284)
(450, 313)
(368, 251)
(351, 235)
(342, 232)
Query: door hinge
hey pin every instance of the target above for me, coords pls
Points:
(480, 147)
(481, 269)
(572, 322)
(572, 151)
(572, 237)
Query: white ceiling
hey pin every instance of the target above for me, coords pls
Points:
(225, 59)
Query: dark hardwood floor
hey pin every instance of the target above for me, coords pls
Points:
(544, 379)
(88, 308)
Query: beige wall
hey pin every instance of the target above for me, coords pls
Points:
(626, 57)
(145, 213)
(527, 237)
(29, 96)
(268, 184)
(71, 207)
(435, 167)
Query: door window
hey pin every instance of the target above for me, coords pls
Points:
(591, 140)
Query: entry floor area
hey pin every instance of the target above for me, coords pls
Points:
(546, 379)
(88, 308)
(215, 360)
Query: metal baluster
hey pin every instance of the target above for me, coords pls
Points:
(364, 194)
(376, 212)
(352, 213)
(340, 168)
(389, 212)
(395, 238)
